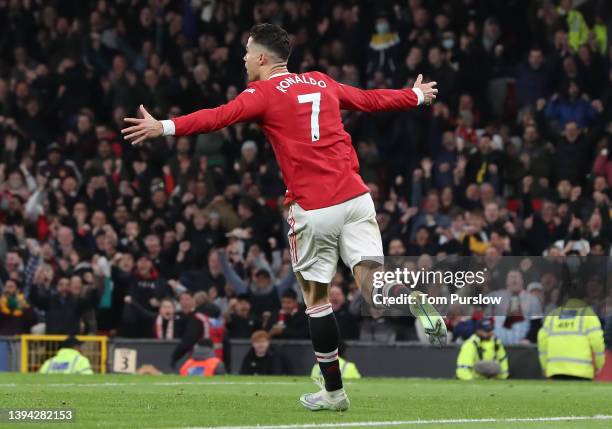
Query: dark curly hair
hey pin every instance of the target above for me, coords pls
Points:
(273, 38)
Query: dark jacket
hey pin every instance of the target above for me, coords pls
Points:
(296, 324)
(63, 313)
(242, 327)
(193, 331)
(272, 363)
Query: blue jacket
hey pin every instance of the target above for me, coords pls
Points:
(564, 111)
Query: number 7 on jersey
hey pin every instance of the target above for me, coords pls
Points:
(315, 99)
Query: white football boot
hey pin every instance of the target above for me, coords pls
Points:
(324, 400)
(430, 318)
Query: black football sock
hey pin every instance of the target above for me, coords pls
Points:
(325, 337)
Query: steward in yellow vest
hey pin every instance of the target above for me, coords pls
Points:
(570, 342)
(482, 355)
(68, 360)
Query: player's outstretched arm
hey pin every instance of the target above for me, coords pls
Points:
(377, 100)
(248, 105)
(143, 128)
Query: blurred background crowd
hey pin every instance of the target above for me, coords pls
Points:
(514, 158)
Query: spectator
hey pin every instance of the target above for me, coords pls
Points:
(261, 359)
(240, 322)
(532, 79)
(383, 49)
(202, 324)
(482, 355)
(16, 316)
(164, 325)
(290, 322)
(68, 182)
(203, 361)
(515, 311)
(68, 359)
(571, 108)
(146, 290)
(63, 309)
(263, 294)
(570, 342)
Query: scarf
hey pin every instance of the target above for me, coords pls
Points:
(13, 305)
(159, 329)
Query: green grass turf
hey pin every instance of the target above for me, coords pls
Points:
(160, 402)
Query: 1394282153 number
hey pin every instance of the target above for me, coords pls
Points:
(32, 415)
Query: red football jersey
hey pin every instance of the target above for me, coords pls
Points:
(300, 116)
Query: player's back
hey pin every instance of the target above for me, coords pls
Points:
(303, 123)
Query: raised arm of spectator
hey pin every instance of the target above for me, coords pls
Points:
(141, 311)
(239, 285)
(30, 180)
(34, 206)
(30, 271)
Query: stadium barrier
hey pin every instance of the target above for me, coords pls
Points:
(36, 349)
(403, 359)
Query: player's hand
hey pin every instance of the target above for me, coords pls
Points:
(144, 128)
(429, 89)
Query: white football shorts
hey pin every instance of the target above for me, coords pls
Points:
(318, 237)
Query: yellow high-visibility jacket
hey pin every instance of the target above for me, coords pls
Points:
(601, 36)
(571, 342)
(67, 361)
(578, 29)
(475, 350)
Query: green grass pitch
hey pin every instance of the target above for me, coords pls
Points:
(120, 401)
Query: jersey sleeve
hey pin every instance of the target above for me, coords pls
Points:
(249, 105)
(376, 100)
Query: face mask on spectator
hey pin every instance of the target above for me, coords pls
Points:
(448, 43)
(382, 27)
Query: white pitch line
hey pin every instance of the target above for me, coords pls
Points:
(409, 422)
(163, 383)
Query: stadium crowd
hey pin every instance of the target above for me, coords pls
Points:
(514, 158)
